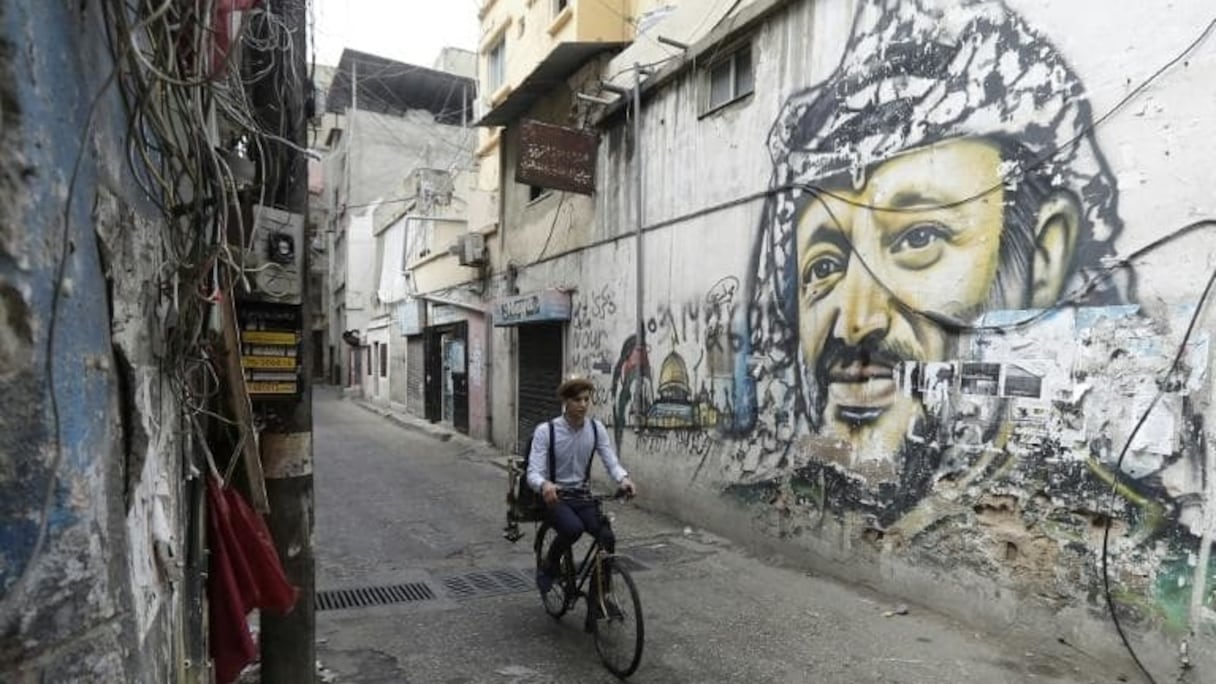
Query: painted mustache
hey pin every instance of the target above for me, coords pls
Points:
(859, 379)
(841, 362)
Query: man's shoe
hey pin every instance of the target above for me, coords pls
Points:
(544, 580)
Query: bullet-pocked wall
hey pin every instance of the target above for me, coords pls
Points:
(93, 574)
(924, 293)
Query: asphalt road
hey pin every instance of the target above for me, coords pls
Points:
(398, 507)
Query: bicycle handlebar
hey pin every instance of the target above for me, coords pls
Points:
(618, 495)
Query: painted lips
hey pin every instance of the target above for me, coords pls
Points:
(861, 392)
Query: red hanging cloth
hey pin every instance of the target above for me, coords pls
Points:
(245, 574)
(273, 591)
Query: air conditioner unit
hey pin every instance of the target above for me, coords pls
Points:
(471, 249)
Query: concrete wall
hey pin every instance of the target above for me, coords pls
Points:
(935, 399)
(457, 61)
(532, 30)
(370, 166)
(376, 385)
(91, 503)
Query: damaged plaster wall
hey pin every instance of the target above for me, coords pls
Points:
(939, 395)
(90, 458)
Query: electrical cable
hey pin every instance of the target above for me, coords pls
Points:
(1106, 588)
(556, 213)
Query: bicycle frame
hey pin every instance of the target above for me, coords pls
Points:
(592, 563)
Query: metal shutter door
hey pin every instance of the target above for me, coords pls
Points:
(415, 375)
(540, 372)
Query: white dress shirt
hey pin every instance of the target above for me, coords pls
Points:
(572, 451)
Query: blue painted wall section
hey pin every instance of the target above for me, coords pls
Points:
(62, 538)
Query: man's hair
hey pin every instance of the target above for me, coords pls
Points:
(573, 387)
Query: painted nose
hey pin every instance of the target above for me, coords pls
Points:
(864, 306)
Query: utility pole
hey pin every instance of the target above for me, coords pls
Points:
(635, 96)
(638, 216)
(288, 641)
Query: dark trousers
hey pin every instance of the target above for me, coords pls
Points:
(570, 518)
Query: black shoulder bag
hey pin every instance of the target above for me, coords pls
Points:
(525, 504)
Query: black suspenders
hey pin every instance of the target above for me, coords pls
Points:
(595, 430)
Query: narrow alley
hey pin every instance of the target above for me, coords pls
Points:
(397, 507)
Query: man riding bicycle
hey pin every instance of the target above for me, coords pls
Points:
(572, 438)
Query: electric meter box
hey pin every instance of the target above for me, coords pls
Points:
(274, 256)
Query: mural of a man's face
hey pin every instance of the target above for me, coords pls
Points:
(943, 170)
(923, 233)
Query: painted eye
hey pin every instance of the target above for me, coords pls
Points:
(821, 268)
(919, 237)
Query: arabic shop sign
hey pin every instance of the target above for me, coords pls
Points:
(537, 307)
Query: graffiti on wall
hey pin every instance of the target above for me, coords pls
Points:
(928, 308)
(590, 339)
(694, 345)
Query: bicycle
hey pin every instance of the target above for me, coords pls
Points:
(616, 621)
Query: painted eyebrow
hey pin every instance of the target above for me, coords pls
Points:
(830, 235)
(911, 199)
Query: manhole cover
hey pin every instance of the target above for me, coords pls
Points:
(486, 583)
(339, 599)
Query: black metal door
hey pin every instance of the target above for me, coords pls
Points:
(433, 341)
(460, 380)
(539, 373)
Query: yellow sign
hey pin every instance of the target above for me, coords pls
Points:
(267, 337)
(288, 362)
(272, 388)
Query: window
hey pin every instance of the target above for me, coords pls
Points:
(728, 79)
(496, 63)
(368, 356)
(384, 360)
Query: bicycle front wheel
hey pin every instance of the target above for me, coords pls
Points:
(619, 632)
(555, 600)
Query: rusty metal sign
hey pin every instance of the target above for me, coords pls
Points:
(556, 157)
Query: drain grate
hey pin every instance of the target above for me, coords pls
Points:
(486, 583)
(340, 599)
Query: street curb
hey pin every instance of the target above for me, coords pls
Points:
(434, 433)
(492, 456)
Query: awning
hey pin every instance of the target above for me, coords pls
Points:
(552, 71)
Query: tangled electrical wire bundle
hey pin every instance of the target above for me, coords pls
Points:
(189, 96)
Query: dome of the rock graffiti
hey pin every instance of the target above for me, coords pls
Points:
(673, 379)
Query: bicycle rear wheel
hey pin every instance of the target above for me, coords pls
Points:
(619, 634)
(556, 599)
